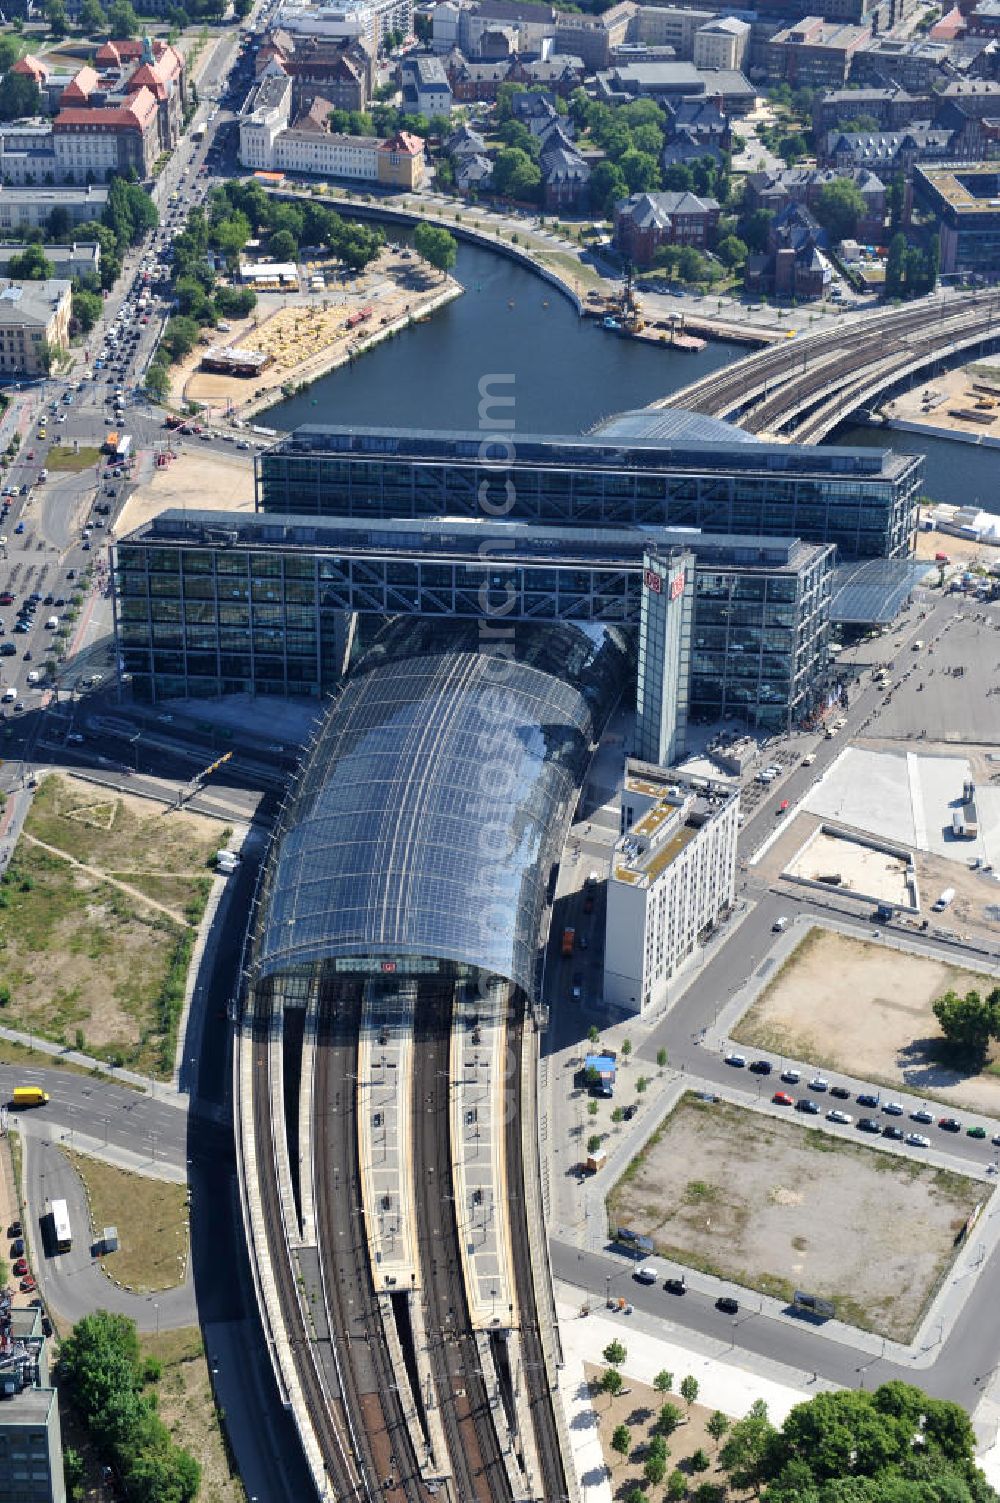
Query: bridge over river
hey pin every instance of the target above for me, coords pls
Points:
(802, 389)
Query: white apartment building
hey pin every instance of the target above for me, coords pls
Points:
(327, 155)
(369, 21)
(673, 872)
(265, 114)
(722, 43)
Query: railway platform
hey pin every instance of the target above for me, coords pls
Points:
(385, 1114)
(478, 1061)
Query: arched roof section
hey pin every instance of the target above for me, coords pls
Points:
(435, 801)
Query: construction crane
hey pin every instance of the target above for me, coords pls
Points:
(198, 781)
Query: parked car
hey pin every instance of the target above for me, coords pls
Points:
(890, 1130)
(791, 1077)
(736, 1060)
(760, 1066)
(949, 1124)
(975, 1132)
(819, 1084)
(27, 1284)
(922, 1115)
(675, 1286)
(892, 1108)
(804, 1104)
(868, 1124)
(727, 1305)
(840, 1092)
(866, 1098)
(917, 1140)
(782, 1098)
(836, 1115)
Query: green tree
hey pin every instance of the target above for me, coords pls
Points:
(661, 1058)
(9, 52)
(969, 1022)
(86, 309)
(607, 187)
(640, 169)
(515, 175)
(438, 247)
(712, 1492)
(679, 178)
(626, 1048)
(668, 1419)
(664, 1381)
(745, 1455)
(689, 1389)
(614, 1353)
(699, 1461)
(593, 1033)
(676, 1486)
(282, 246)
(636, 1495)
(897, 201)
(594, 1143)
(55, 14)
(895, 267)
(690, 264)
(755, 228)
(732, 251)
(180, 337)
(621, 1440)
(73, 1473)
(649, 139)
(93, 21)
(654, 1470)
(122, 19)
(642, 1083)
(838, 207)
(32, 265)
(612, 1382)
(717, 1425)
(19, 96)
(157, 382)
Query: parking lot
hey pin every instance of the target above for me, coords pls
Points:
(775, 1207)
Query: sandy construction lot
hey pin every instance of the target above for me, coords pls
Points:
(858, 1006)
(776, 1206)
(217, 482)
(861, 870)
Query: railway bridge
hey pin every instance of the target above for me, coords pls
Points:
(802, 389)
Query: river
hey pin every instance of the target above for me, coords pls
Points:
(568, 374)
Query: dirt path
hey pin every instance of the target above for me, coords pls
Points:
(104, 876)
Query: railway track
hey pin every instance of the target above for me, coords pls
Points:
(536, 1377)
(727, 393)
(333, 1443)
(470, 1432)
(370, 1396)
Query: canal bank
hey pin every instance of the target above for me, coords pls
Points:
(563, 372)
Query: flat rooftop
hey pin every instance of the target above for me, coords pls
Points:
(666, 829)
(464, 538)
(966, 187)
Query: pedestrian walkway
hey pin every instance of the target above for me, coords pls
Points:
(385, 1114)
(478, 1051)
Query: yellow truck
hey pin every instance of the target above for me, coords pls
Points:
(29, 1095)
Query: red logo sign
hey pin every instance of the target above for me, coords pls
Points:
(677, 585)
(388, 966)
(653, 581)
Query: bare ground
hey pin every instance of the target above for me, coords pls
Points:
(766, 1204)
(858, 1006)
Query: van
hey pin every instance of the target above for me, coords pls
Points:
(29, 1095)
(918, 646)
(779, 926)
(9, 696)
(52, 623)
(33, 676)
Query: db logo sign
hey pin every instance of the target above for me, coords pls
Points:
(388, 967)
(654, 582)
(677, 585)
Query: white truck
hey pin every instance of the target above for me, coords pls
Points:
(944, 901)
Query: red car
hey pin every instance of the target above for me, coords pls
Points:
(30, 454)
(782, 1098)
(21, 1266)
(782, 806)
(27, 1285)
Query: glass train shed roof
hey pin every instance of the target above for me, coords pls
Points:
(433, 807)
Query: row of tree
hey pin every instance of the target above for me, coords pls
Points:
(104, 1373)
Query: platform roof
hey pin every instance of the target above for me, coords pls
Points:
(873, 591)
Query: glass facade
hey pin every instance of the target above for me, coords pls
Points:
(864, 501)
(436, 801)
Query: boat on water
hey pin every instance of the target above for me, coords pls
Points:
(611, 323)
(689, 342)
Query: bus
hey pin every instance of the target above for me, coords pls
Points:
(569, 935)
(62, 1236)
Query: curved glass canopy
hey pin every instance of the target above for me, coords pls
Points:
(437, 799)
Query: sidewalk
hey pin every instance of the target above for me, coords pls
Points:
(158, 1089)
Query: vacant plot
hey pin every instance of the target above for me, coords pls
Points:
(853, 868)
(853, 1005)
(778, 1207)
(152, 1220)
(186, 1405)
(98, 911)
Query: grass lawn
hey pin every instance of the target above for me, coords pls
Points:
(95, 956)
(186, 1405)
(62, 458)
(152, 1220)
